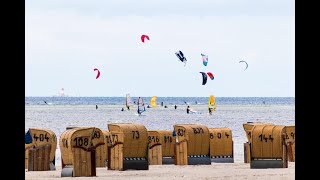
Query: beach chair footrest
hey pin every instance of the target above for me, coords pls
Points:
(167, 160)
(67, 171)
(262, 164)
(52, 166)
(141, 164)
(194, 160)
(223, 160)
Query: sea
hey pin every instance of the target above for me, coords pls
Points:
(58, 113)
(167, 100)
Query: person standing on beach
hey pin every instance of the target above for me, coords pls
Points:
(96, 106)
(175, 106)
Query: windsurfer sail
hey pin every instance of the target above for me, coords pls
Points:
(211, 104)
(153, 101)
(128, 101)
(141, 107)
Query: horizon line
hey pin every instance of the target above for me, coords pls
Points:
(169, 96)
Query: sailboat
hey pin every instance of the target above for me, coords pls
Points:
(128, 101)
(141, 107)
(153, 101)
(211, 104)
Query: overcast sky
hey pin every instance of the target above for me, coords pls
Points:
(67, 39)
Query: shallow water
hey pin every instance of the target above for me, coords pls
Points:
(58, 117)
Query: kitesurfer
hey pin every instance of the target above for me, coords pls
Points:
(188, 109)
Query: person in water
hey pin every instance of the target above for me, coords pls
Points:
(191, 111)
(122, 109)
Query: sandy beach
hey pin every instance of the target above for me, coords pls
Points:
(219, 171)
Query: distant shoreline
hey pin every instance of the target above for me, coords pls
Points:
(160, 96)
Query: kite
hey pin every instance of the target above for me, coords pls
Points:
(181, 57)
(98, 75)
(143, 38)
(204, 78)
(246, 64)
(204, 59)
(210, 75)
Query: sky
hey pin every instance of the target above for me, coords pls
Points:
(66, 39)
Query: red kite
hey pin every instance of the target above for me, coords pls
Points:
(143, 37)
(95, 69)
